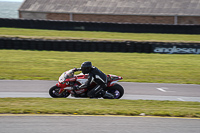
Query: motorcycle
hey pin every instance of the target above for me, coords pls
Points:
(67, 82)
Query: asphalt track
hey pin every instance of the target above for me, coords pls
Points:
(133, 91)
(96, 124)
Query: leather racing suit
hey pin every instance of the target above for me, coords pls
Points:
(101, 80)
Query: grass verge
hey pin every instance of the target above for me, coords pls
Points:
(99, 107)
(133, 67)
(93, 35)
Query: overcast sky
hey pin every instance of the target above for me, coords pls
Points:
(13, 0)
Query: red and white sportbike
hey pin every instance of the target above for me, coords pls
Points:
(68, 80)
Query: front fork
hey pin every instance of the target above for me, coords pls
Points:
(61, 90)
(61, 86)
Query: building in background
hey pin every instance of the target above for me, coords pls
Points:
(120, 11)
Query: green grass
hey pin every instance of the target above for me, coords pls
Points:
(133, 67)
(98, 107)
(88, 35)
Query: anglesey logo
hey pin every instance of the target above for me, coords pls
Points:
(175, 50)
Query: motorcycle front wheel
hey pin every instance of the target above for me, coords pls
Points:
(54, 92)
(116, 90)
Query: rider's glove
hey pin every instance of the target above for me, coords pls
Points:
(76, 69)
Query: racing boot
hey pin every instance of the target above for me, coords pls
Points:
(108, 95)
(99, 95)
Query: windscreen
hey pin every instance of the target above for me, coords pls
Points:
(66, 75)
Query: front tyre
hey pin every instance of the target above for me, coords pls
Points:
(54, 92)
(116, 90)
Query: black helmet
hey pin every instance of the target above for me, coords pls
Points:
(86, 67)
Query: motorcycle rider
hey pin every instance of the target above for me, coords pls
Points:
(94, 74)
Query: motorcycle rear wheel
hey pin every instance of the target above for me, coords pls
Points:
(54, 92)
(116, 90)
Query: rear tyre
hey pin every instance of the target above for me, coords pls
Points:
(54, 92)
(116, 90)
